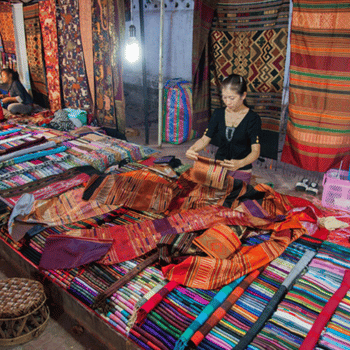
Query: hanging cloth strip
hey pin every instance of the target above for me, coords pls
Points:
(271, 306)
(220, 312)
(314, 334)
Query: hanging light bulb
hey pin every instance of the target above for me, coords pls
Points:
(132, 47)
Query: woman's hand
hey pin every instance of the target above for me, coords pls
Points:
(232, 164)
(191, 154)
(6, 99)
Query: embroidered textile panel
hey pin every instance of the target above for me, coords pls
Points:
(36, 64)
(318, 130)
(71, 57)
(106, 15)
(6, 29)
(47, 16)
(250, 39)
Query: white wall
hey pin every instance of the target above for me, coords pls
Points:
(177, 41)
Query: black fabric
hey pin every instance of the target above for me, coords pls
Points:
(247, 133)
(17, 89)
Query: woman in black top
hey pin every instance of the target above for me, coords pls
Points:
(17, 101)
(236, 128)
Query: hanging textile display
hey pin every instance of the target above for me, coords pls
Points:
(6, 29)
(71, 58)
(202, 18)
(47, 16)
(34, 54)
(86, 41)
(318, 130)
(250, 39)
(107, 19)
(21, 50)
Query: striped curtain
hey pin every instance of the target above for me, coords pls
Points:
(318, 130)
(250, 39)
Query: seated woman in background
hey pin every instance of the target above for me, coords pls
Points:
(17, 101)
(236, 128)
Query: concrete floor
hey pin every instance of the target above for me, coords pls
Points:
(63, 332)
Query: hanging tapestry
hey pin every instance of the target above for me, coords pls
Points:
(86, 41)
(318, 130)
(47, 16)
(203, 15)
(107, 19)
(7, 32)
(250, 39)
(71, 58)
(35, 54)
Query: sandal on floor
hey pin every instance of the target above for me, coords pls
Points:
(312, 188)
(302, 185)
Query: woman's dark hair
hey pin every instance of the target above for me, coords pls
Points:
(236, 83)
(11, 72)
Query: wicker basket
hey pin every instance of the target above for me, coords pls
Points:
(23, 312)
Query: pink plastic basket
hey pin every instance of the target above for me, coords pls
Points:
(336, 189)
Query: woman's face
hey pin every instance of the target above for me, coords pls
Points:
(5, 77)
(232, 100)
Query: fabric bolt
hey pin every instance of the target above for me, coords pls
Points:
(35, 54)
(28, 150)
(47, 16)
(25, 144)
(66, 252)
(75, 88)
(209, 172)
(317, 136)
(219, 241)
(256, 51)
(7, 29)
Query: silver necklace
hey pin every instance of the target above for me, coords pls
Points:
(229, 132)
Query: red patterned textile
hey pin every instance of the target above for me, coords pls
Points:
(318, 130)
(47, 16)
(6, 29)
(35, 54)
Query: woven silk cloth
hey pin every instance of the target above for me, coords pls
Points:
(35, 54)
(139, 189)
(209, 172)
(47, 16)
(250, 39)
(7, 29)
(107, 23)
(302, 305)
(66, 208)
(318, 132)
(71, 57)
(203, 15)
(211, 273)
(140, 238)
(219, 241)
(66, 252)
